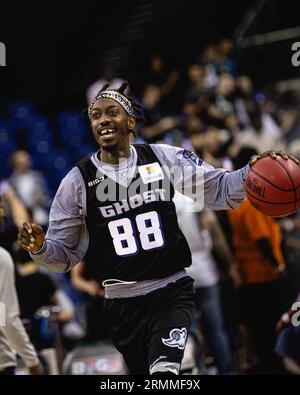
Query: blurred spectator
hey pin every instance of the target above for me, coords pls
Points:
(219, 59)
(244, 102)
(258, 137)
(261, 270)
(16, 215)
(13, 337)
(294, 148)
(155, 125)
(290, 122)
(108, 77)
(37, 290)
(13, 204)
(203, 233)
(290, 227)
(288, 342)
(34, 286)
(30, 186)
(159, 74)
(85, 281)
(222, 101)
(196, 82)
(267, 108)
(209, 57)
(225, 62)
(212, 144)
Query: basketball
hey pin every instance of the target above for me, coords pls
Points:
(273, 186)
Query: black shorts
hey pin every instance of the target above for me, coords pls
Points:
(153, 328)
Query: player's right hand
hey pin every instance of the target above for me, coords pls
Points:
(31, 237)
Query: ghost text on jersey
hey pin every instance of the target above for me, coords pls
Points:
(132, 202)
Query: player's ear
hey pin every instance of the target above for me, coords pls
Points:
(131, 122)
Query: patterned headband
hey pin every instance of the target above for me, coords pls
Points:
(116, 96)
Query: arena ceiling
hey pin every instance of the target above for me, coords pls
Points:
(54, 53)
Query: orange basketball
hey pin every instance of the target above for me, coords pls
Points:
(273, 186)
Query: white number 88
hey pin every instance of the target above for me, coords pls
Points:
(124, 239)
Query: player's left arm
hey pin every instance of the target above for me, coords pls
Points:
(216, 189)
(210, 221)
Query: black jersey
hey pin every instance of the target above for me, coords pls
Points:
(134, 236)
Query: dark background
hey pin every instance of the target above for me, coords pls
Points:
(54, 52)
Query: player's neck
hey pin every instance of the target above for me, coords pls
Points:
(116, 156)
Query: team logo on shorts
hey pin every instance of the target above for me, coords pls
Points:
(177, 338)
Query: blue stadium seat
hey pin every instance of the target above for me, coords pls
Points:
(55, 165)
(7, 146)
(21, 111)
(70, 120)
(84, 151)
(39, 126)
(10, 126)
(40, 137)
(7, 138)
(72, 129)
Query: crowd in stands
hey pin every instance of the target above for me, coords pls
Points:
(215, 110)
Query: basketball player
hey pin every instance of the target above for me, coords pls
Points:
(116, 208)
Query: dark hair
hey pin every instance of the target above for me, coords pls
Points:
(243, 157)
(138, 109)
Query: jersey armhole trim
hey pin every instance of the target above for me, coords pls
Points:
(83, 191)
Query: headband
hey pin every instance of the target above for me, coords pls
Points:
(116, 96)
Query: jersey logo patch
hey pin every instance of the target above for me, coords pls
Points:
(193, 157)
(151, 172)
(177, 338)
(96, 181)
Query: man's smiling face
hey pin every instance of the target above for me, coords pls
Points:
(111, 124)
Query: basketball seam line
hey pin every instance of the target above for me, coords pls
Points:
(266, 201)
(269, 182)
(277, 214)
(295, 193)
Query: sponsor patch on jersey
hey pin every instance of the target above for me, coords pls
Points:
(193, 157)
(151, 172)
(96, 181)
(177, 338)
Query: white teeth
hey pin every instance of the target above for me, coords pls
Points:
(106, 131)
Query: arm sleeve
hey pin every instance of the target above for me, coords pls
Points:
(216, 189)
(66, 240)
(13, 329)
